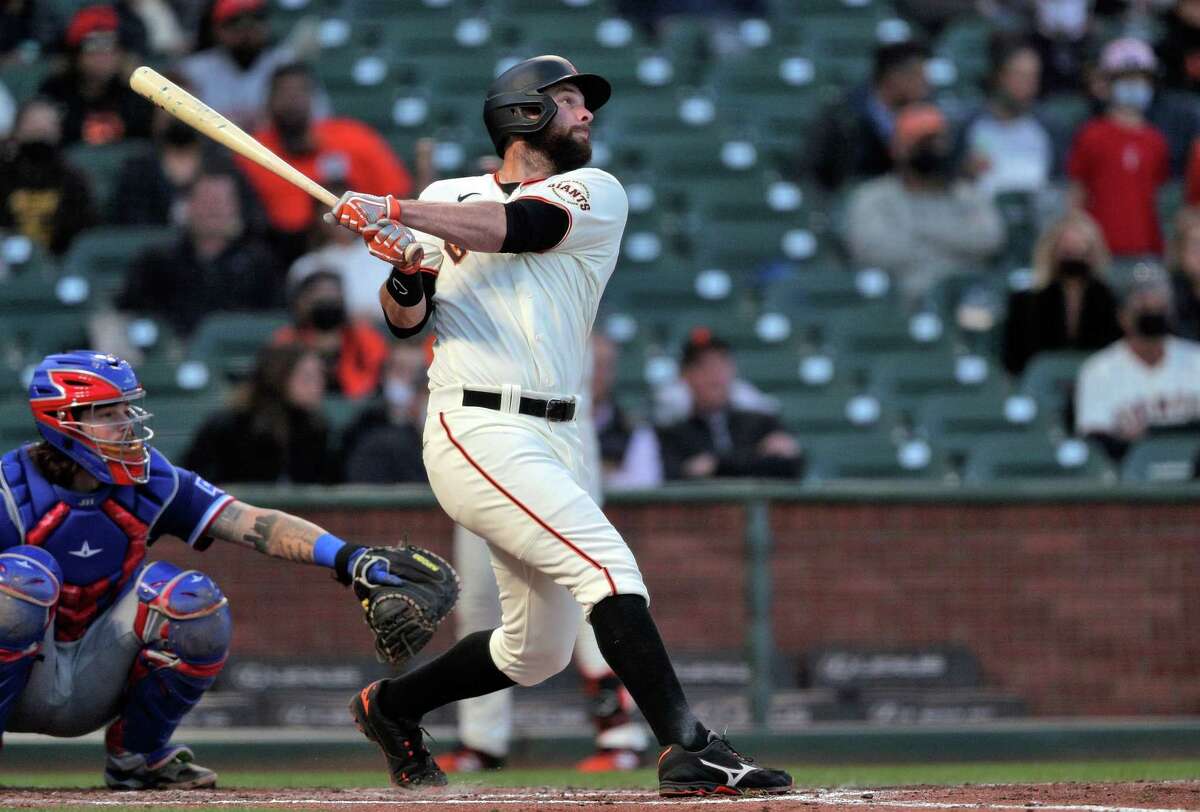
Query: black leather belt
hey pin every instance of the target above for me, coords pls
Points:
(554, 410)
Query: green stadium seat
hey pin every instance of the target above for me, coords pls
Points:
(22, 79)
(229, 341)
(177, 418)
(1035, 457)
(875, 327)
(16, 424)
(906, 379)
(955, 422)
(102, 164)
(31, 290)
(819, 289)
(103, 255)
(32, 334)
(1167, 458)
(836, 457)
(841, 410)
(1050, 380)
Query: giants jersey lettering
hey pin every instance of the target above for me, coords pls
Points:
(525, 318)
(1118, 394)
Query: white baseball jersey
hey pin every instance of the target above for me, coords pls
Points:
(1118, 394)
(524, 319)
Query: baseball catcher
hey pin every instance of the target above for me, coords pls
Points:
(93, 634)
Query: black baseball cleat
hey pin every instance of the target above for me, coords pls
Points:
(718, 769)
(408, 760)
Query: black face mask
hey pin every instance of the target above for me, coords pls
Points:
(38, 152)
(178, 134)
(327, 314)
(929, 161)
(1074, 268)
(1152, 324)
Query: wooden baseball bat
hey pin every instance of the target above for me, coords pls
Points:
(187, 108)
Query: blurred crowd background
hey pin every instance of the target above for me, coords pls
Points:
(947, 240)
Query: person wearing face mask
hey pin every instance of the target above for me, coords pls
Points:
(383, 444)
(353, 351)
(213, 264)
(1148, 381)
(1070, 307)
(1008, 149)
(152, 187)
(1119, 160)
(42, 196)
(919, 222)
(231, 71)
(331, 151)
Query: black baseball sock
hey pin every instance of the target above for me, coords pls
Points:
(630, 643)
(464, 671)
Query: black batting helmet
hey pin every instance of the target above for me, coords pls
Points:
(522, 86)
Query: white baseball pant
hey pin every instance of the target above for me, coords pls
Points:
(520, 482)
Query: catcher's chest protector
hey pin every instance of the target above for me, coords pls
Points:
(98, 538)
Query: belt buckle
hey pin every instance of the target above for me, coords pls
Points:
(557, 409)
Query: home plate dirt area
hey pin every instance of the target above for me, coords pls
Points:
(1066, 797)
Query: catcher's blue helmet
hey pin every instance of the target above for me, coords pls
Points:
(67, 396)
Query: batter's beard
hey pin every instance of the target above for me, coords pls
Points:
(562, 150)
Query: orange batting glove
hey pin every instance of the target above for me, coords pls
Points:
(356, 210)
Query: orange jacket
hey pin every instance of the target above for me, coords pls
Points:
(348, 154)
(360, 361)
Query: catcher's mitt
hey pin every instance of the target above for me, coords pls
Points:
(404, 617)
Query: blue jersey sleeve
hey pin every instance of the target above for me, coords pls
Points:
(196, 505)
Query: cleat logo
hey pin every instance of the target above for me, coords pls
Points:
(85, 551)
(734, 775)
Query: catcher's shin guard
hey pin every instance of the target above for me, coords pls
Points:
(184, 619)
(30, 581)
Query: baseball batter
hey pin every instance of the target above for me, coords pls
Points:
(93, 634)
(525, 255)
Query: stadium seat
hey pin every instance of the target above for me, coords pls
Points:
(16, 424)
(839, 410)
(177, 419)
(22, 79)
(819, 289)
(906, 379)
(1050, 380)
(956, 421)
(871, 457)
(103, 255)
(1167, 458)
(877, 327)
(1035, 457)
(103, 163)
(229, 341)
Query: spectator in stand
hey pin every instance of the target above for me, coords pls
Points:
(333, 151)
(1119, 160)
(274, 431)
(1070, 306)
(716, 439)
(1179, 48)
(352, 350)
(384, 443)
(1185, 273)
(232, 72)
(343, 252)
(150, 27)
(1148, 381)
(1191, 193)
(212, 265)
(629, 453)
(42, 195)
(852, 139)
(152, 188)
(8, 112)
(28, 28)
(1062, 35)
(918, 222)
(1006, 147)
(98, 105)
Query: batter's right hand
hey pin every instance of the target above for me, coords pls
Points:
(356, 210)
(395, 244)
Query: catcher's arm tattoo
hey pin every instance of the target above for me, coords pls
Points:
(271, 532)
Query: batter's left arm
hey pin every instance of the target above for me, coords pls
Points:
(480, 226)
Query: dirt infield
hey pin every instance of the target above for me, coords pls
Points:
(1073, 797)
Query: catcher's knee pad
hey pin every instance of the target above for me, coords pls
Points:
(183, 613)
(30, 582)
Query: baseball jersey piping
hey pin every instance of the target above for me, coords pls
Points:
(453, 441)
